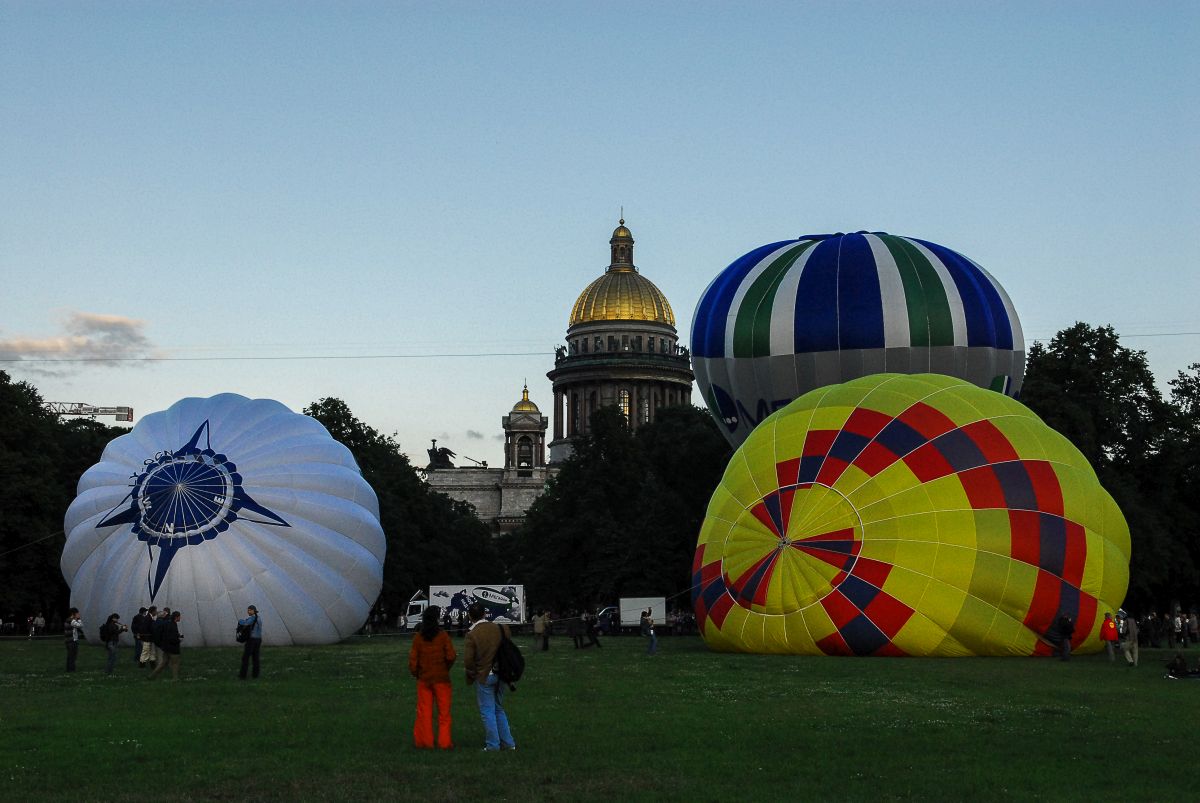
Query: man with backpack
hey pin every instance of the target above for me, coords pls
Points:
(485, 640)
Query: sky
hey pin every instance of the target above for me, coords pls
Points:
(396, 204)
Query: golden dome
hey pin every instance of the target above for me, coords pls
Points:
(621, 231)
(622, 295)
(525, 405)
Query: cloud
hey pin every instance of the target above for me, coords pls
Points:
(474, 435)
(88, 338)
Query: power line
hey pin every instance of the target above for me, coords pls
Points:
(31, 543)
(437, 356)
(294, 357)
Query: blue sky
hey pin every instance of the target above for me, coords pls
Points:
(218, 183)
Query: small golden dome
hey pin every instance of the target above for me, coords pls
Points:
(622, 232)
(525, 405)
(622, 295)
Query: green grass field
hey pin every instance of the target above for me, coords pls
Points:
(335, 723)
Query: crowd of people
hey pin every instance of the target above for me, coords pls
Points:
(157, 640)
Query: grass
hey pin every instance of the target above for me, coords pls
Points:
(335, 723)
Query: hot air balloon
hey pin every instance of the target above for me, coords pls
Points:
(907, 515)
(220, 503)
(796, 315)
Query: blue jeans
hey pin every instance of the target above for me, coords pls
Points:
(489, 694)
(652, 647)
(111, 646)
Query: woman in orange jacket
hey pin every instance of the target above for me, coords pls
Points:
(1108, 634)
(429, 661)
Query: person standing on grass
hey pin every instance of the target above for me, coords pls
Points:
(171, 639)
(110, 634)
(1066, 629)
(1129, 637)
(483, 640)
(1108, 634)
(647, 625)
(539, 630)
(592, 626)
(253, 644)
(73, 632)
(146, 636)
(429, 660)
(135, 629)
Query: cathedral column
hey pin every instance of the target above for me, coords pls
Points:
(558, 415)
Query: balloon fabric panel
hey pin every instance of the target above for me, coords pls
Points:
(906, 509)
(790, 317)
(216, 504)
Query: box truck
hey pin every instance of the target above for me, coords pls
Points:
(502, 602)
(630, 612)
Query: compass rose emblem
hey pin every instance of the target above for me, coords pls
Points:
(184, 497)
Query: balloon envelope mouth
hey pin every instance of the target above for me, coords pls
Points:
(792, 547)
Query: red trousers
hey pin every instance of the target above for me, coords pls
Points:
(423, 727)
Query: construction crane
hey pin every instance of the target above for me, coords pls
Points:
(90, 410)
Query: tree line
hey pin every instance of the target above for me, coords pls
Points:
(622, 515)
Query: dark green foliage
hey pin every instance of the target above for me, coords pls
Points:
(41, 460)
(621, 518)
(1145, 450)
(431, 539)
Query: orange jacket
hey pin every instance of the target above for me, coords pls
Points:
(1108, 630)
(430, 661)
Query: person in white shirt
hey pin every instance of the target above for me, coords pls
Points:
(73, 633)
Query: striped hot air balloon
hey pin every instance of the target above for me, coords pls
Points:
(800, 314)
(907, 515)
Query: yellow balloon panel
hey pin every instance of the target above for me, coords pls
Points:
(907, 515)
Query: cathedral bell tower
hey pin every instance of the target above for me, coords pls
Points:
(524, 438)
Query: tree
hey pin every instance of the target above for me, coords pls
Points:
(1097, 393)
(1103, 398)
(41, 460)
(622, 516)
(431, 539)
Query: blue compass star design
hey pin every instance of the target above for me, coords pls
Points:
(186, 496)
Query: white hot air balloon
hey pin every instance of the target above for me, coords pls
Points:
(220, 503)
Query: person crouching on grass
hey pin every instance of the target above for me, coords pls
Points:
(429, 660)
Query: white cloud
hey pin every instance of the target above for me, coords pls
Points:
(87, 338)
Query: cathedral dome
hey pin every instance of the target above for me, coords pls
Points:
(525, 405)
(622, 294)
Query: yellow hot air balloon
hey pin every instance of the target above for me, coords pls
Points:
(907, 515)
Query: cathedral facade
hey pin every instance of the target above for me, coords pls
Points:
(621, 349)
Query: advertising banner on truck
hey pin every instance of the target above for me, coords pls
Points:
(502, 603)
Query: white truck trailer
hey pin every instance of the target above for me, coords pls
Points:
(632, 607)
(502, 602)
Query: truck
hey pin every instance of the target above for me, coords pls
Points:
(630, 610)
(502, 602)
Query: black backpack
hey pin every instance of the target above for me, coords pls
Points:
(510, 664)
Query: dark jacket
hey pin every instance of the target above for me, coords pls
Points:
(169, 634)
